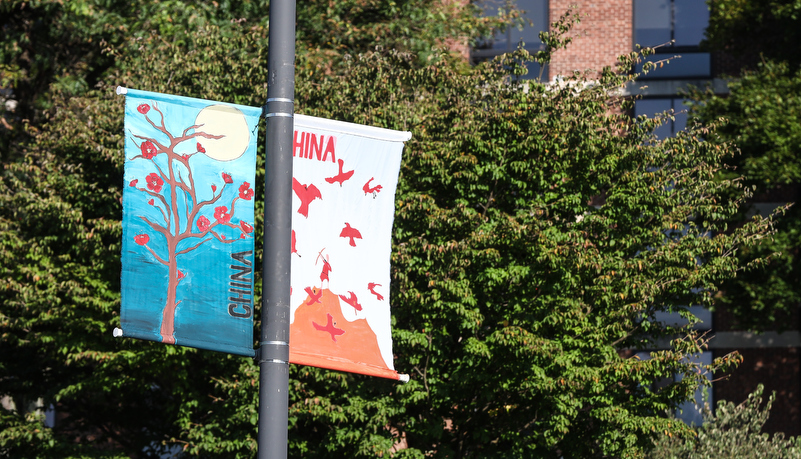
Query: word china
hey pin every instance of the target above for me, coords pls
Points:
(314, 146)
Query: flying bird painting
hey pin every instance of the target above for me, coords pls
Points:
(341, 176)
(330, 328)
(306, 194)
(351, 300)
(371, 287)
(350, 233)
(368, 189)
(314, 297)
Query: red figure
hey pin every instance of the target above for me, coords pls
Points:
(351, 300)
(306, 194)
(342, 176)
(313, 298)
(368, 190)
(326, 269)
(351, 233)
(371, 286)
(294, 250)
(330, 328)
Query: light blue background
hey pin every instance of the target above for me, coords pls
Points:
(201, 317)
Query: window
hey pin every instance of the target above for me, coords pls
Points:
(657, 22)
(691, 412)
(653, 107)
(535, 20)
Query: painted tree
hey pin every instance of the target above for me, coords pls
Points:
(172, 189)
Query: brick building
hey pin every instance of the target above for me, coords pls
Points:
(612, 28)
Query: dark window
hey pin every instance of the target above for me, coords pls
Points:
(535, 19)
(657, 22)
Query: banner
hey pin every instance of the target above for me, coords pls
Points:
(187, 244)
(344, 181)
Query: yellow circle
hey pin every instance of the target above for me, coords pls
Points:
(225, 121)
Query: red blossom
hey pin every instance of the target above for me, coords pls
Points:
(151, 202)
(200, 148)
(245, 227)
(148, 149)
(154, 182)
(213, 188)
(141, 239)
(222, 236)
(245, 191)
(227, 178)
(203, 223)
(221, 214)
(180, 275)
(133, 182)
(143, 109)
(185, 157)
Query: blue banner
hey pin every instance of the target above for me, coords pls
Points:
(188, 217)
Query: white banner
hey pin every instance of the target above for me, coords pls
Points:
(344, 182)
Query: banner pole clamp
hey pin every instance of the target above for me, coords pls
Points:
(275, 352)
(288, 113)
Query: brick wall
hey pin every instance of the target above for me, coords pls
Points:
(605, 32)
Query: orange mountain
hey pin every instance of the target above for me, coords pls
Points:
(321, 337)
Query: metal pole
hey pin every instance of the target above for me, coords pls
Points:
(273, 354)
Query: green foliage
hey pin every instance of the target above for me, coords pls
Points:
(538, 231)
(753, 28)
(760, 115)
(731, 431)
(53, 46)
(514, 293)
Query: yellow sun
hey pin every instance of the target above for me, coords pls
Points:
(230, 123)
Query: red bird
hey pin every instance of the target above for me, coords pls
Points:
(306, 194)
(373, 190)
(351, 233)
(371, 286)
(352, 300)
(294, 250)
(313, 298)
(342, 176)
(330, 328)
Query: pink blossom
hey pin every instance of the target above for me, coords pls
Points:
(203, 223)
(245, 191)
(221, 214)
(141, 239)
(148, 149)
(154, 182)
